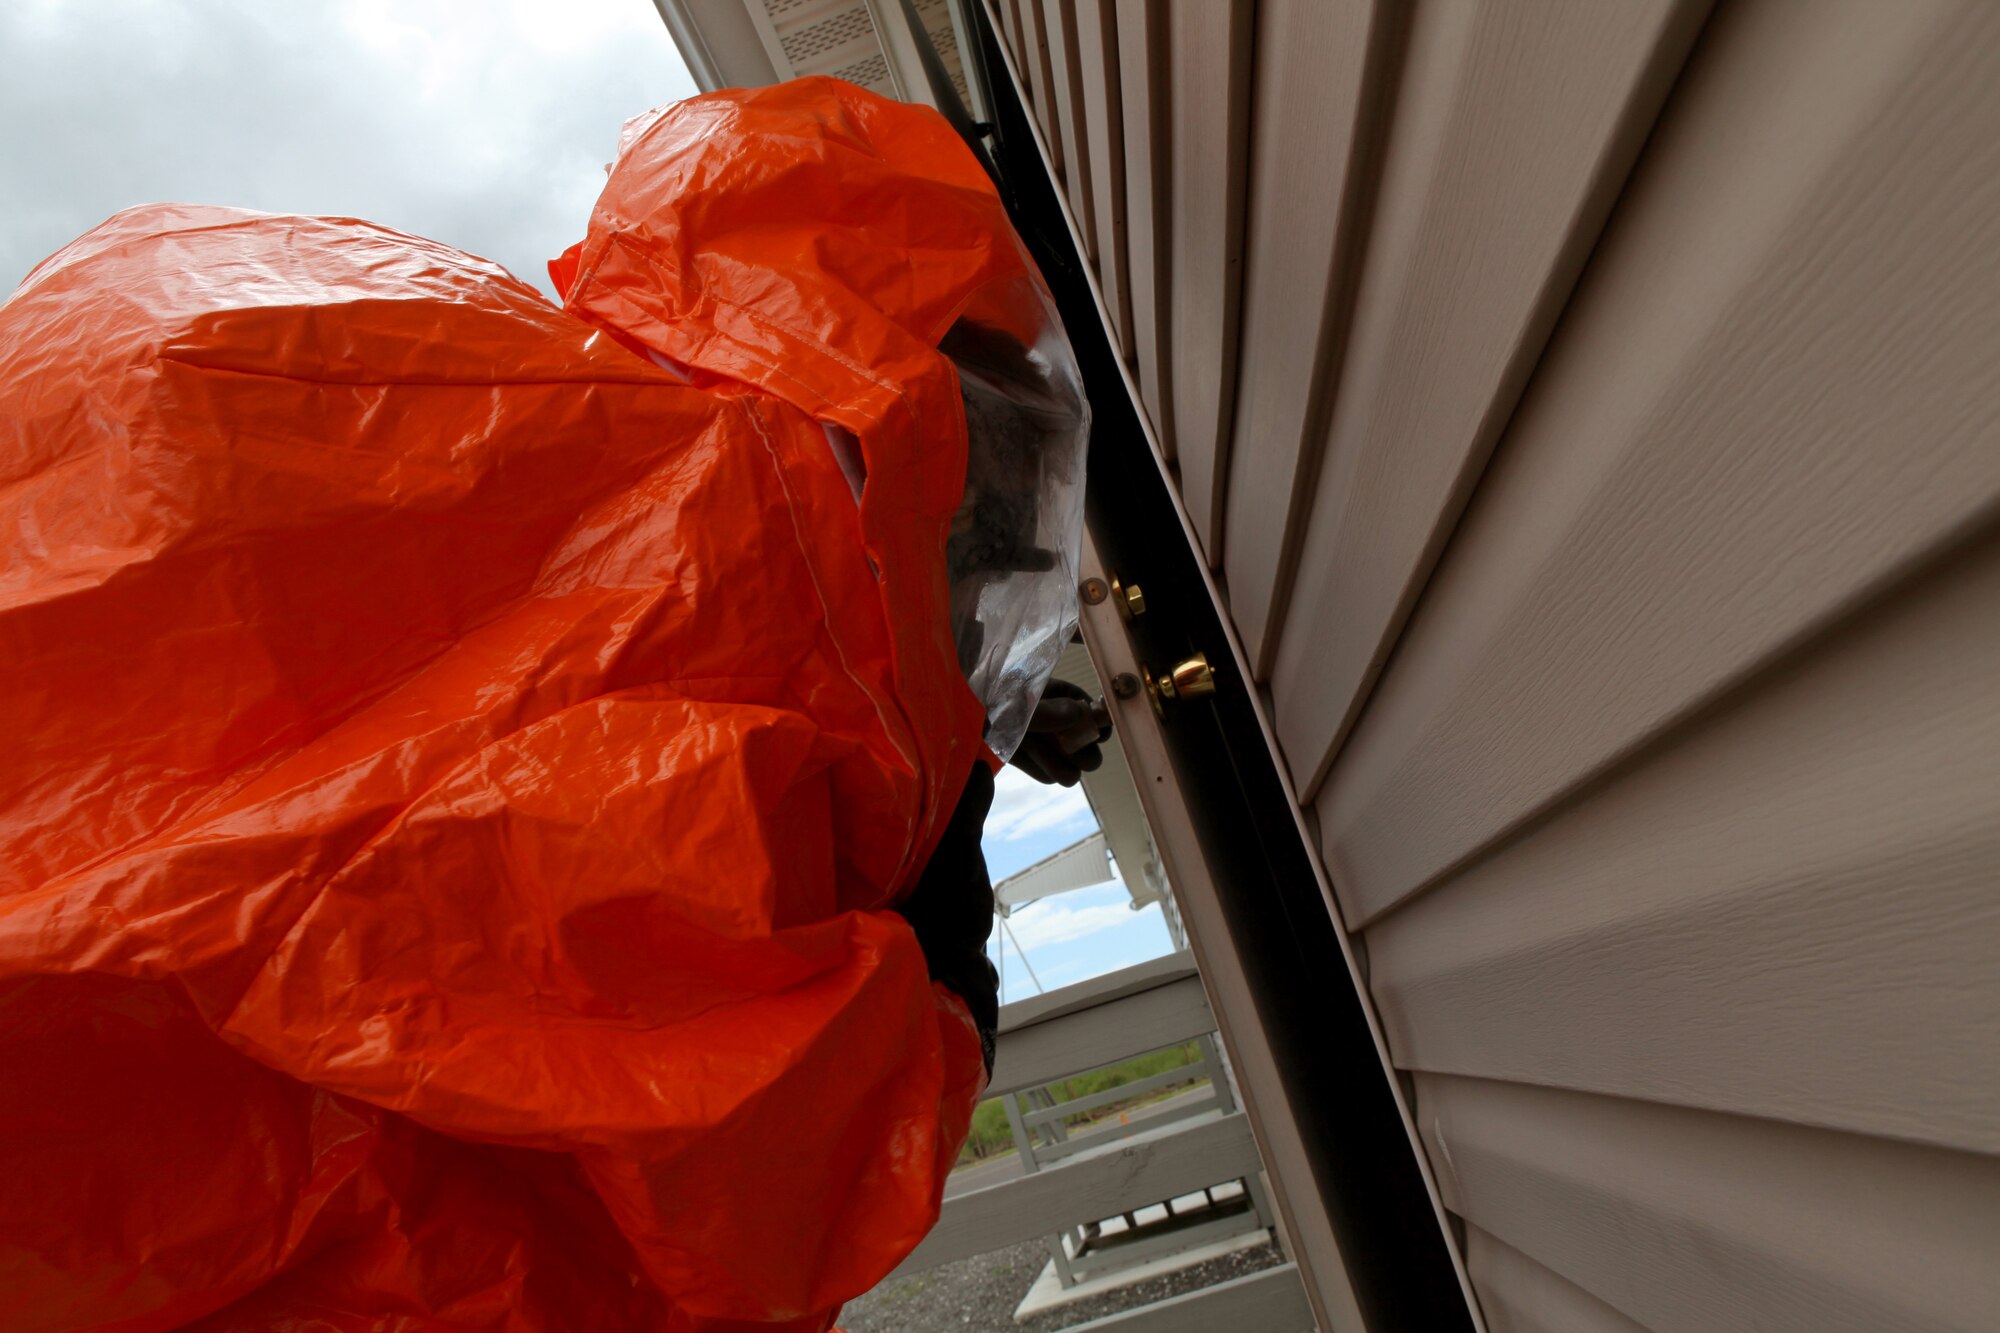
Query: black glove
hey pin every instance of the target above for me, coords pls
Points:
(1064, 736)
(951, 910)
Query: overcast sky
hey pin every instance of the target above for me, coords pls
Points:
(1077, 935)
(482, 123)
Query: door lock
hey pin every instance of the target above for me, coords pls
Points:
(1130, 597)
(1190, 678)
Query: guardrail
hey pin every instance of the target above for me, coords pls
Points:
(1100, 1022)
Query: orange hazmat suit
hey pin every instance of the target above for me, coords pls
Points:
(460, 753)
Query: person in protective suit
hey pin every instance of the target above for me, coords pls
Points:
(475, 765)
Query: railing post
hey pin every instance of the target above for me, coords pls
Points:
(1024, 1138)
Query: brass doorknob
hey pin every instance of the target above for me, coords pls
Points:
(1189, 679)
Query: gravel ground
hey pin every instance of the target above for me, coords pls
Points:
(979, 1295)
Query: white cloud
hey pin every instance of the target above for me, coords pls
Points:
(1023, 807)
(1040, 925)
(484, 124)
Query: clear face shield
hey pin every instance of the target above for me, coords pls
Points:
(1013, 551)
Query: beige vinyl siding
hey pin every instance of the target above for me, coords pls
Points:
(1522, 1296)
(1100, 98)
(1037, 66)
(1593, 413)
(1066, 75)
(1314, 130)
(1208, 88)
(1535, 111)
(1141, 48)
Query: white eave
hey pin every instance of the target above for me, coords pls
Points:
(751, 43)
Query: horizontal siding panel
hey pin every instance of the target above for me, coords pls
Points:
(1208, 90)
(1687, 1220)
(1010, 28)
(1513, 127)
(1066, 80)
(1776, 391)
(1039, 70)
(1633, 640)
(1791, 911)
(1519, 1295)
(1142, 46)
(1308, 149)
(1103, 118)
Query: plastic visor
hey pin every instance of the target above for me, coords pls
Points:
(1013, 551)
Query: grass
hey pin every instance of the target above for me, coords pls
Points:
(991, 1135)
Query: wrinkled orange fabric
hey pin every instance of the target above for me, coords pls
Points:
(460, 751)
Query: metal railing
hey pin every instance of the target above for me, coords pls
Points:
(1101, 1248)
(1089, 1026)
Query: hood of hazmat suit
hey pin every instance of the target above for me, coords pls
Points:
(462, 752)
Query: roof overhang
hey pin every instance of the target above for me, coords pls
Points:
(873, 43)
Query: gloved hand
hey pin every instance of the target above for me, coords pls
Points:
(1064, 736)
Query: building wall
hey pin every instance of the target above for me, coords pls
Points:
(1592, 412)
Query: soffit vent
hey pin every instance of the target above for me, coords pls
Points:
(835, 37)
(839, 38)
